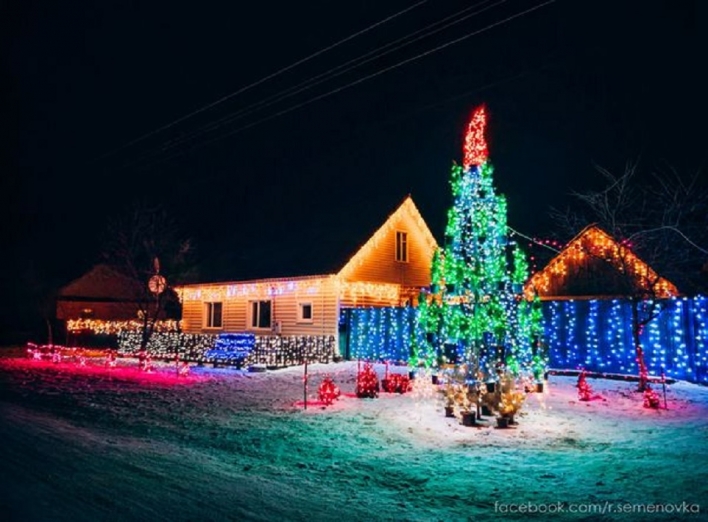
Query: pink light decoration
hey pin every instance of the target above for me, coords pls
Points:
(328, 391)
(102, 374)
(651, 398)
(475, 148)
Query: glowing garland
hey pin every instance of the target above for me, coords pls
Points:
(103, 327)
(272, 351)
(594, 244)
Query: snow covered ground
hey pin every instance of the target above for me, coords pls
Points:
(93, 444)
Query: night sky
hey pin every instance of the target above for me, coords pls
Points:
(97, 96)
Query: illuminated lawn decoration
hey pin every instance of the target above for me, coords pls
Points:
(396, 383)
(510, 403)
(585, 391)
(475, 314)
(651, 398)
(328, 391)
(367, 382)
(232, 348)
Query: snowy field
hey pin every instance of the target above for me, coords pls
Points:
(93, 444)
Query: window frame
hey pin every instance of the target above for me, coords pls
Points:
(254, 314)
(300, 312)
(209, 307)
(401, 251)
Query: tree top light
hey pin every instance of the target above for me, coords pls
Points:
(475, 149)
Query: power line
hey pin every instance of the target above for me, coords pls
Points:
(358, 81)
(258, 82)
(320, 78)
(534, 241)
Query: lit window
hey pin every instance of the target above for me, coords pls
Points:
(213, 314)
(304, 312)
(402, 246)
(260, 314)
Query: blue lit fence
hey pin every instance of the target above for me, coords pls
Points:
(595, 335)
(381, 333)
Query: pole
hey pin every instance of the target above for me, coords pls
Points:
(304, 382)
(663, 386)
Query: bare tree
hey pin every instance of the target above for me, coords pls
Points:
(41, 292)
(144, 244)
(664, 222)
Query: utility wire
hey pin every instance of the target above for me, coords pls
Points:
(258, 82)
(355, 82)
(323, 77)
(534, 241)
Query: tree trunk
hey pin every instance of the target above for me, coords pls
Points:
(50, 333)
(637, 327)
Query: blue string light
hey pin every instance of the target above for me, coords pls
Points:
(594, 334)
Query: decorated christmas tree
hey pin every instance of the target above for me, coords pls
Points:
(474, 314)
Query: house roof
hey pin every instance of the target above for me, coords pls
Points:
(311, 249)
(102, 282)
(598, 258)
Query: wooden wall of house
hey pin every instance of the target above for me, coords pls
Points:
(286, 299)
(378, 258)
(103, 310)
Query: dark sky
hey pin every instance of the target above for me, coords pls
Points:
(255, 177)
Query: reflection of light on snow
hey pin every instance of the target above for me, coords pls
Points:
(423, 391)
(539, 398)
(106, 370)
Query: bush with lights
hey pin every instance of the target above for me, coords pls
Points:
(367, 382)
(328, 391)
(395, 382)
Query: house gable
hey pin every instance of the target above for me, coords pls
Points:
(591, 265)
(101, 293)
(381, 259)
(102, 282)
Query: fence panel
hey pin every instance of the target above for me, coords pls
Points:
(595, 335)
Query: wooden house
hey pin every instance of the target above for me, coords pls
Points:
(389, 269)
(595, 265)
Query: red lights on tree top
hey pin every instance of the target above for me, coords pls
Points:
(475, 145)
